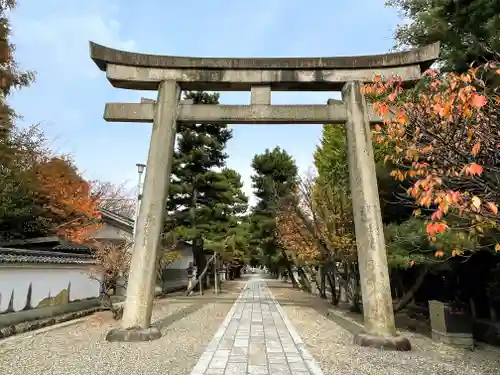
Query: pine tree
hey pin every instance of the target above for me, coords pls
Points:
(205, 198)
(467, 29)
(10, 75)
(200, 149)
(275, 177)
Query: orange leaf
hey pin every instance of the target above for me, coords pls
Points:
(478, 101)
(434, 228)
(437, 215)
(438, 254)
(475, 169)
(475, 149)
(493, 207)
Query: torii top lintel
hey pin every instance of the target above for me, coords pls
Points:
(103, 56)
(133, 70)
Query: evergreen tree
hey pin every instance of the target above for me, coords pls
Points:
(274, 179)
(200, 149)
(18, 150)
(467, 29)
(225, 204)
(10, 75)
(205, 202)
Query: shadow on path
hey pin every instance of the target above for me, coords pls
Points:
(171, 319)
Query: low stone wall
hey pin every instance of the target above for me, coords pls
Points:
(46, 312)
(15, 329)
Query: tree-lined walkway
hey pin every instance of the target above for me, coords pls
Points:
(256, 338)
(252, 334)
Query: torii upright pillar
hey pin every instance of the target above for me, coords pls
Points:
(136, 321)
(370, 242)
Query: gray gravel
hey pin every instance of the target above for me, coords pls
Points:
(187, 325)
(332, 346)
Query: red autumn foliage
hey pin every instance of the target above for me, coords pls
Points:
(69, 202)
(444, 137)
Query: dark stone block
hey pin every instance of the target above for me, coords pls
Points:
(487, 331)
(398, 343)
(134, 334)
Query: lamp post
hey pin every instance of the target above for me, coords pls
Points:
(140, 171)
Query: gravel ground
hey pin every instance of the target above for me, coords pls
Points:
(332, 346)
(187, 325)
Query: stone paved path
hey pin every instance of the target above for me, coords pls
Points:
(256, 338)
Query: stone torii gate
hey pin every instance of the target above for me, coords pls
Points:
(171, 74)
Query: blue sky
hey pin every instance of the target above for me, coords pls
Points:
(70, 92)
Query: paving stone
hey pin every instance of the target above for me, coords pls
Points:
(277, 360)
(279, 369)
(215, 371)
(236, 369)
(239, 351)
(292, 358)
(257, 370)
(222, 353)
(298, 366)
(256, 339)
(226, 344)
(241, 343)
(237, 359)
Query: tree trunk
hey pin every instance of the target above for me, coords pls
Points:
(304, 280)
(200, 277)
(330, 276)
(107, 304)
(322, 289)
(407, 298)
(344, 285)
(291, 275)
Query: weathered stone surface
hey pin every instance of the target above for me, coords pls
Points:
(372, 256)
(334, 112)
(133, 334)
(142, 277)
(398, 343)
(143, 78)
(103, 56)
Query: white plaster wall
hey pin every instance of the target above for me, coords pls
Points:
(46, 280)
(111, 232)
(183, 263)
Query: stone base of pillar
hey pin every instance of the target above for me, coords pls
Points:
(133, 334)
(398, 343)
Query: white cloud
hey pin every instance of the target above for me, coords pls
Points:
(62, 39)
